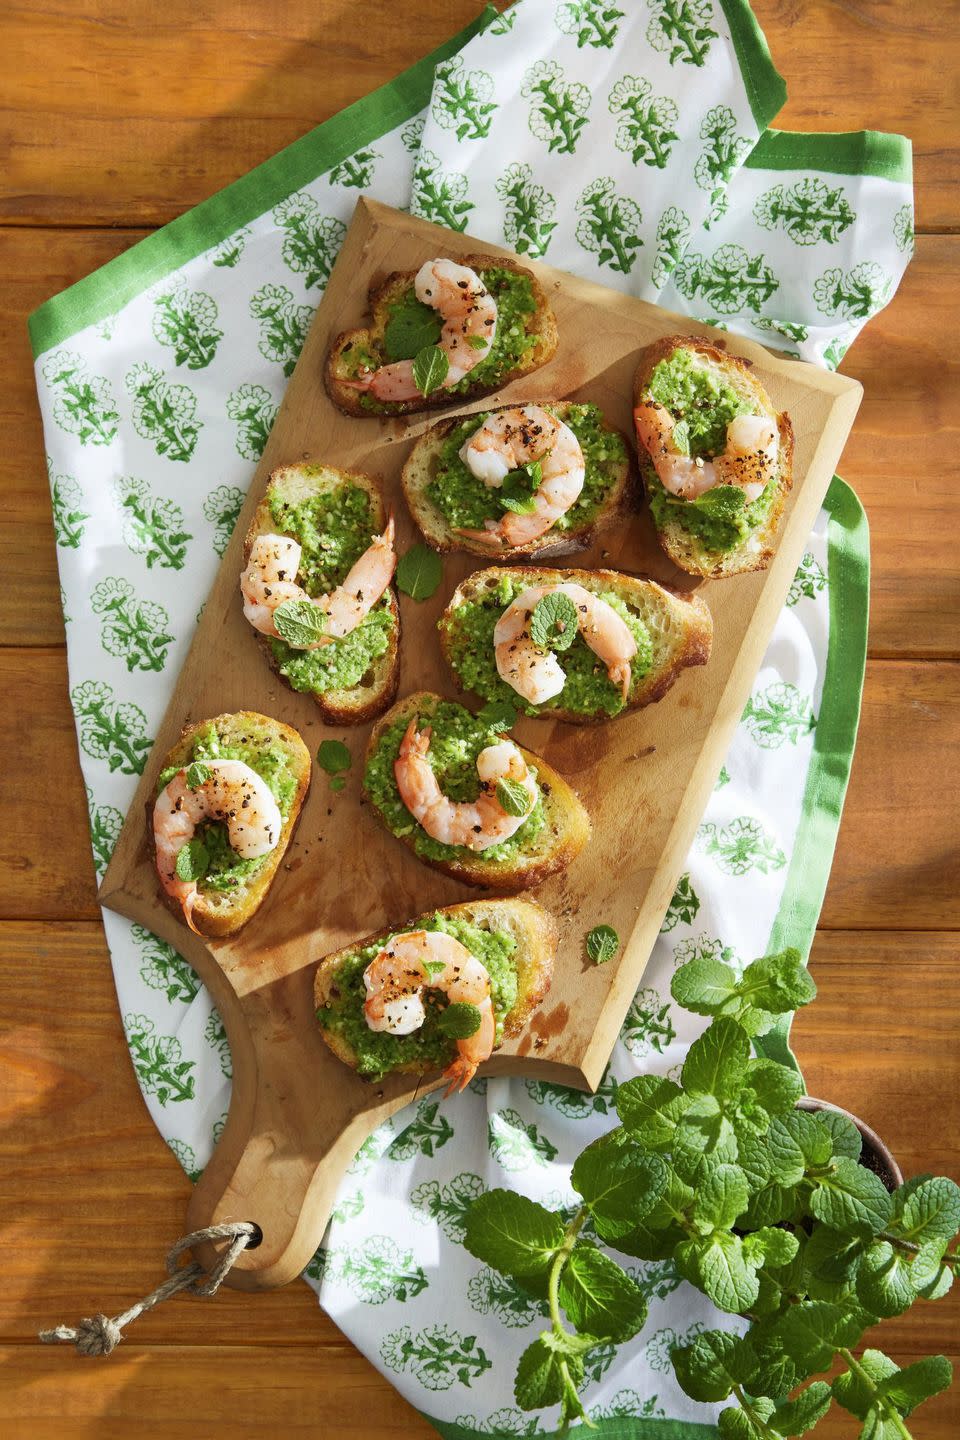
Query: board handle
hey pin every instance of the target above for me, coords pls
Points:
(297, 1118)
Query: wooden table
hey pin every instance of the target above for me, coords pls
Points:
(117, 116)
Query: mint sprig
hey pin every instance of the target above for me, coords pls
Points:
(513, 797)
(300, 623)
(430, 368)
(763, 1207)
(553, 623)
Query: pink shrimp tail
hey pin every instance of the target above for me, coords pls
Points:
(187, 903)
(485, 537)
(459, 1072)
(414, 742)
(620, 675)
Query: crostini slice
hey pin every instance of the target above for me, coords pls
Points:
(670, 632)
(211, 886)
(719, 532)
(334, 515)
(555, 828)
(401, 326)
(445, 497)
(516, 942)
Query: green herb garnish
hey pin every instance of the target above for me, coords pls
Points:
(419, 572)
(513, 797)
(333, 756)
(553, 624)
(193, 861)
(603, 942)
(459, 1021)
(430, 369)
(300, 623)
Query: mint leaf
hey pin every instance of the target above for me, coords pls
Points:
(704, 985)
(434, 968)
(680, 437)
(619, 1184)
(337, 782)
(850, 1391)
(847, 1139)
(885, 1283)
(333, 756)
(513, 797)
(430, 367)
(419, 572)
(786, 1156)
(193, 861)
(720, 1197)
(197, 774)
(459, 1020)
(909, 1387)
(603, 942)
(796, 1417)
(778, 983)
(719, 1267)
(540, 1378)
(478, 342)
(300, 623)
(850, 1198)
(931, 1211)
(598, 1297)
(649, 1108)
(736, 1424)
(716, 1062)
(512, 1233)
(830, 1260)
(517, 491)
(497, 715)
(771, 1247)
(708, 1368)
(412, 327)
(811, 1135)
(553, 623)
(774, 1087)
(811, 1331)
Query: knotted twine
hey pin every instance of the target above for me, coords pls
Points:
(99, 1335)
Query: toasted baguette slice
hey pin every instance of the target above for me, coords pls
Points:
(533, 928)
(564, 835)
(224, 912)
(686, 550)
(421, 469)
(358, 703)
(338, 367)
(680, 627)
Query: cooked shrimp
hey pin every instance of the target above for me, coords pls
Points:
(430, 960)
(270, 579)
(477, 824)
(512, 438)
(470, 325)
(233, 793)
(537, 674)
(749, 460)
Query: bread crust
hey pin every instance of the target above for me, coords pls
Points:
(683, 549)
(542, 323)
(357, 705)
(217, 919)
(536, 929)
(432, 523)
(567, 820)
(689, 612)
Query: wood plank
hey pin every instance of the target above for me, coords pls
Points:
(164, 133)
(94, 1195)
(897, 863)
(177, 1393)
(894, 459)
(909, 418)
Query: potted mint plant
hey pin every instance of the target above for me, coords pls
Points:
(762, 1205)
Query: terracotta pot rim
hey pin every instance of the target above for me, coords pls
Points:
(882, 1150)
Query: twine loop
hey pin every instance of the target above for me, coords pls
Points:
(99, 1335)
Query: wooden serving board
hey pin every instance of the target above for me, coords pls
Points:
(297, 1115)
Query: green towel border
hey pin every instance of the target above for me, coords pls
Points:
(840, 152)
(848, 566)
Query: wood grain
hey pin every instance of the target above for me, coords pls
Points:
(198, 94)
(894, 459)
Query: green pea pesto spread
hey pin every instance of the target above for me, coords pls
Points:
(334, 528)
(588, 689)
(515, 305)
(703, 403)
(456, 739)
(378, 1052)
(272, 763)
(466, 502)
